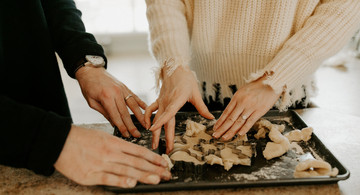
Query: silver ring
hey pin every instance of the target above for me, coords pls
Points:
(244, 117)
(127, 97)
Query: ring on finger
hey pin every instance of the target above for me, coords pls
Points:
(127, 97)
(244, 117)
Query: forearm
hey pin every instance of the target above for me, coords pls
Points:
(31, 137)
(169, 34)
(323, 34)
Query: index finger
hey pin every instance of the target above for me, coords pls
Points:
(142, 152)
(169, 112)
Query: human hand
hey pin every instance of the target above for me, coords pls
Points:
(111, 97)
(93, 157)
(248, 104)
(175, 91)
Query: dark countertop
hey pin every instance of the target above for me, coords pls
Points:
(339, 132)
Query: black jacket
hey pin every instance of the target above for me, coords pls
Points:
(34, 114)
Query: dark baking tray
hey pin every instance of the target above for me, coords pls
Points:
(277, 171)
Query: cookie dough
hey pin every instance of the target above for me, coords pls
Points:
(278, 147)
(300, 135)
(198, 147)
(167, 159)
(313, 167)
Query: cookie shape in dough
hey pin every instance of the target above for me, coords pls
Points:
(312, 168)
(297, 135)
(198, 147)
(230, 159)
(184, 156)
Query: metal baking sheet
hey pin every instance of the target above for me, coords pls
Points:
(262, 172)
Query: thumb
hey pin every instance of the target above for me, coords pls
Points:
(200, 106)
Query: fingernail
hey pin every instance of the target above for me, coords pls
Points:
(241, 133)
(212, 116)
(131, 182)
(127, 134)
(164, 164)
(225, 137)
(214, 135)
(151, 128)
(137, 133)
(154, 146)
(166, 174)
(154, 179)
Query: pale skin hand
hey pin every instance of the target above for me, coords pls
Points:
(252, 100)
(93, 157)
(176, 90)
(106, 94)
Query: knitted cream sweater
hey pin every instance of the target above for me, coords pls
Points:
(231, 42)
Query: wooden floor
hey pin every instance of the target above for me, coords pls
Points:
(338, 82)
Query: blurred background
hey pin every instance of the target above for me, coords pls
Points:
(121, 27)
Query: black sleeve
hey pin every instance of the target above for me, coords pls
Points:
(68, 34)
(31, 137)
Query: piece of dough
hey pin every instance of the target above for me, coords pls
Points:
(297, 135)
(264, 126)
(193, 128)
(313, 167)
(246, 150)
(273, 150)
(230, 159)
(197, 154)
(213, 159)
(261, 133)
(184, 156)
(276, 136)
(167, 159)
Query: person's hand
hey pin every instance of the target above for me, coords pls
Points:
(175, 91)
(110, 97)
(93, 157)
(247, 105)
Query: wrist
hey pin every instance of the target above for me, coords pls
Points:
(90, 61)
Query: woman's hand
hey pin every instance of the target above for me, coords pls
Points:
(110, 97)
(248, 104)
(175, 91)
(92, 157)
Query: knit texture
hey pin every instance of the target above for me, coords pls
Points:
(231, 42)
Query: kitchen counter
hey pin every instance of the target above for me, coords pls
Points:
(339, 132)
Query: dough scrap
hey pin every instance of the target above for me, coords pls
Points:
(246, 150)
(278, 147)
(313, 167)
(230, 159)
(297, 135)
(167, 159)
(193, 128)
(273, 150)
(264, 126)
(213, 159)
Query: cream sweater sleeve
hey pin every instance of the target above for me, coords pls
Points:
(169, 35)
(322, 35)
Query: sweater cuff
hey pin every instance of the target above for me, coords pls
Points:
(48, 143)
